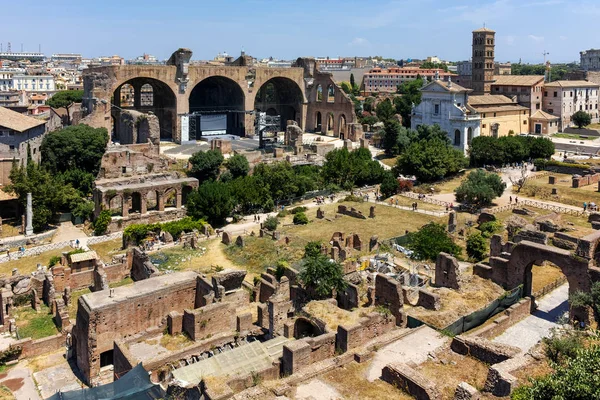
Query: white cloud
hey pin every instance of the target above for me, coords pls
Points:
(359, 42)
(561, 37)
(537, 39)
(509, 40)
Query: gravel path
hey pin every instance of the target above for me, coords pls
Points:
(532, 329)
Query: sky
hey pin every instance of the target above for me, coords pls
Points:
(287, 29)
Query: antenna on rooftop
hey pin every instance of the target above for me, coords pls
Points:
(21, 47)
(8, 50)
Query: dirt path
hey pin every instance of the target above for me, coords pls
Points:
(414, 347)
(316, 390)
(67, 231)
(20, 383)
(216, 256)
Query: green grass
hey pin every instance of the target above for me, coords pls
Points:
(124, 282)
(35, 325)
(74, 300)
(177, 259)
(259, 253)
(572, 136)
(26, 265)
(106, 250)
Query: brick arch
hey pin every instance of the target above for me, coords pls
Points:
(518, 270)
(304, 327)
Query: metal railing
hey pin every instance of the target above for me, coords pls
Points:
(425, 199)
(540, 205)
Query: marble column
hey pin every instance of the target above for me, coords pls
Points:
(29, 216)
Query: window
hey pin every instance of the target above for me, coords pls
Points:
(483, 116)
(494, 115)
(537, 106)
(436, 109)
(545, 94)
(551, 111)
(457, 137)
(11, 147)
(555, 94)
(483, 126)
(524, 122)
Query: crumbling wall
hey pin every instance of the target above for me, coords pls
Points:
(508, 318)
(141, 266)
(411, 381)
(388, 293)
(482, 349)
(202, 323)
(373, 325)
(301, 353)
(447, 272)
(349, 298)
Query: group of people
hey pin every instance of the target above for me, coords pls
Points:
(591, 206)
(321, 199)
(510, 200)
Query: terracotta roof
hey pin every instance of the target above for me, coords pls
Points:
(79, 257)
(454, 88)
(571, 84)
(484, 30)
(508, 107)
(489, 99)
(17, 122)
(539, 114)
(517, 80)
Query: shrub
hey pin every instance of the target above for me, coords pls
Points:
(101, 223)
(53, 261)
(297, 210)
(300, 219)
(476, 246)
(560, 348)
(405, 185)
(488, 229)
(312, 249)
(480, 188)
(353, 198)
(271, 223)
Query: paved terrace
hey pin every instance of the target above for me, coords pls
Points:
(239, 361)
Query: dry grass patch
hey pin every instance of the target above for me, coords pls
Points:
(449, 369)
(5, 393)
(541, 190)
(333, 315)
(476, 294)
(26, 265)
(47, 360)
(176, 342)
(544, 275)
(350, 381)
(106, 250)
(388, 222)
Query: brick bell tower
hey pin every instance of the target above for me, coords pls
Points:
(483, 60)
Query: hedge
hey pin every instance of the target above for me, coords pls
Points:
(136, 233)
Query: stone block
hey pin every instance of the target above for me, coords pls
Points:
(226, 239)
(411, 381)
(464, 391)
(230, 279)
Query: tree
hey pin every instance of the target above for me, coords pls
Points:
(384, 110)
(346, 87)
(75, 147)
(521, 180)
(431, 240)
(347, 169)
(480, 188)
(66, 99)
(312, 249)
(476, 246)
(352, 81)
(251, 195)
(205, 164)
(396, 138)
(575, 379)
(410, 95)
(101, 223)
(322, 275)
(540, 148)
(587, 299)
(581, 119)
(238, 165)
(389, 186)
(212, 201)
(368, 104)
(430, 160)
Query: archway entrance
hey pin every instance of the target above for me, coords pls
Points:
(330, 124)
(146, 95)
(281, 95)
(318, 122)
(217, 107)
(342, 127)
(304, 327)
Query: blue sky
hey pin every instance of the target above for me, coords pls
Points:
(291, 28)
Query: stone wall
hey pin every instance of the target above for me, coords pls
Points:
(482, 349)
(502, 322)
(202, 323)
(585, 180)
(349, 298)
(429, 300)
(141, 266)
(304, 352)
(33, 348)
(368, 328)
(411, 381)
(106, 316)
(388, 293)
(447, 272)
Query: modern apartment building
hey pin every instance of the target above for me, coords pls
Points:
(388, 79)
(529, 89)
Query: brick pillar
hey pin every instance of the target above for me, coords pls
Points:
(125, 205)
(143, 204)
(137, 96)
(178, 199)
(161, 201)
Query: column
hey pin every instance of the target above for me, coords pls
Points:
(137, 96)
(29, 216)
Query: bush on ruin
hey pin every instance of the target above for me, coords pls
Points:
(238, 165)
(322, 275)
(431, 240)
(389, 186)
(205, 164)
(476, 246)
